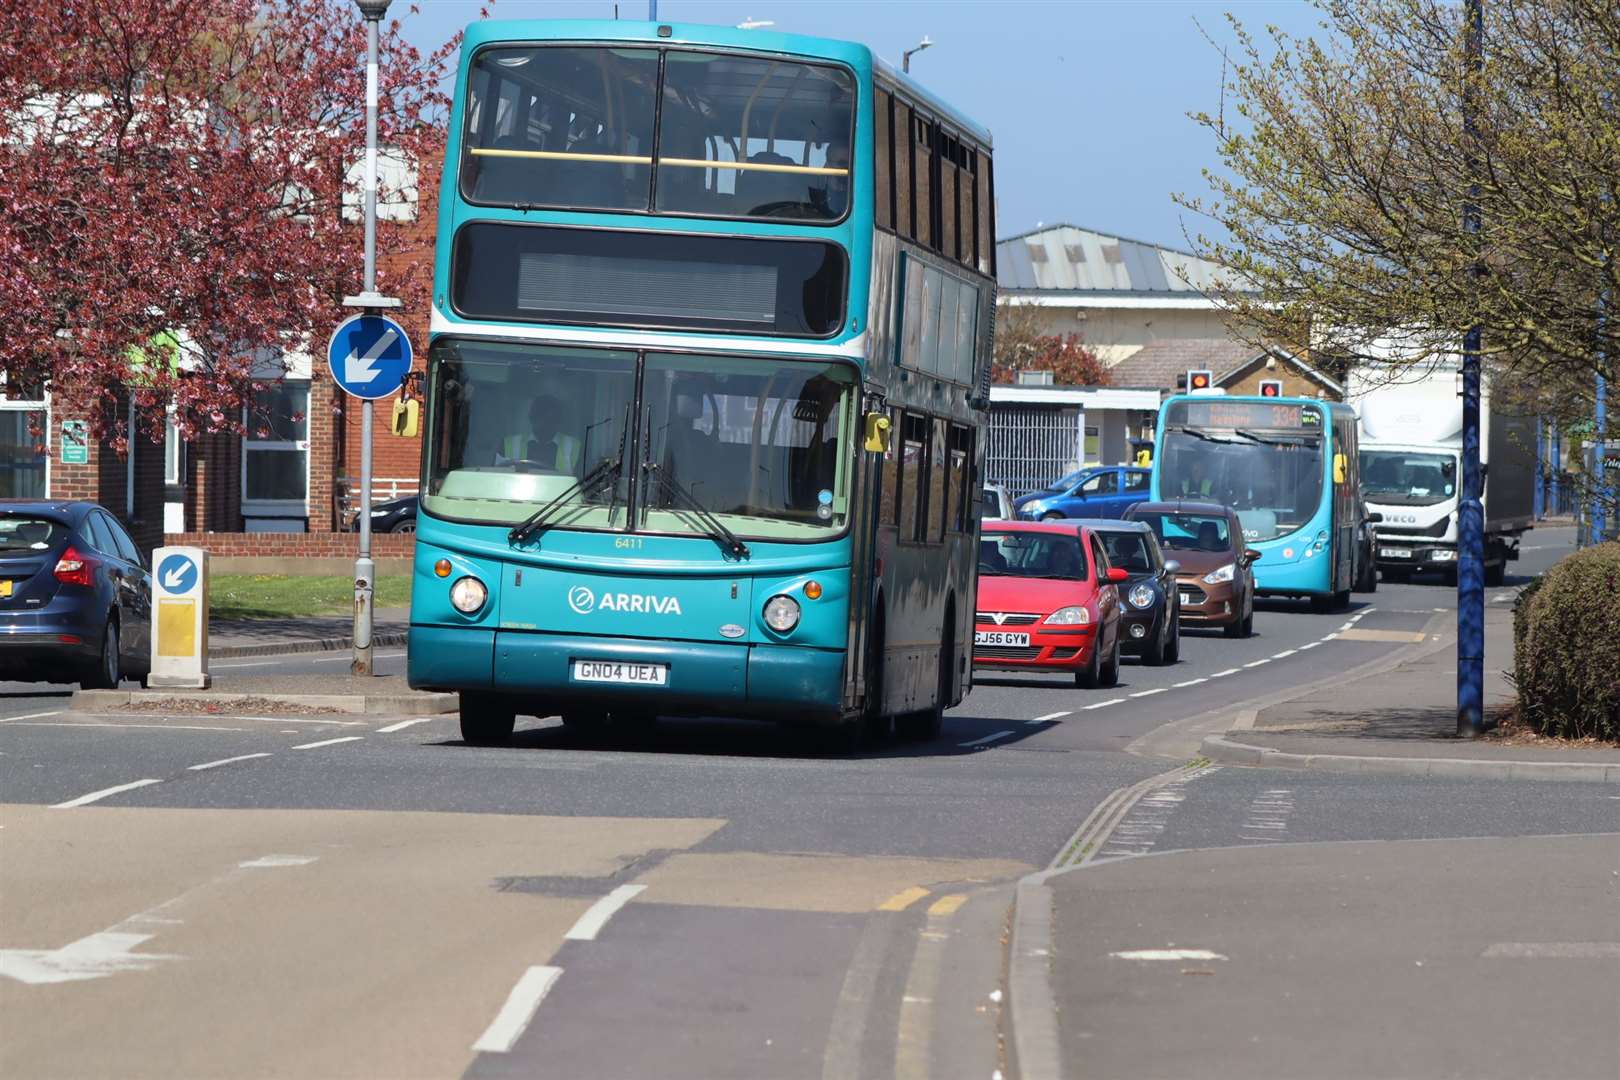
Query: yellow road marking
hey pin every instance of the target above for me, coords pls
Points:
(947, 905)
(904, 899)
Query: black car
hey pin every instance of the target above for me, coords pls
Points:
(1366, 560)
(394, 516)
(1150, 614)
(75, 596)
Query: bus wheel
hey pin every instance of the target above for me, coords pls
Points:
(486, 720)
(584, 719)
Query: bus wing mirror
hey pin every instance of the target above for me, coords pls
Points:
(407, 418)
(877, 429)
(1340, 463)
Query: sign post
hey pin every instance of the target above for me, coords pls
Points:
(180, 618)
(372, 11)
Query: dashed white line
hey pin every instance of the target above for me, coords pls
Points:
(276, 862)
(1149, 693)
(1190, 682)
(519, 1009)
(1104, 704)
(1050, 716)
(1284, 654)
(596, 916)
(1257, 663)
(346, 659)
(246, 663)
(1329, 637)
(1224, 674)
(1310, 645)
(1168, 954)
(31, 716)
(987, 739)
(94, 796)
(224, 761)
(403, 724)
(1348, 623)
(1268, 815)
(328, 742)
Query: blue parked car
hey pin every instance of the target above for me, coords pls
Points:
(1105, 491)
(75, 596)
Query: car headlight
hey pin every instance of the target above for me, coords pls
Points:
(781, 613)
(1220, 574)
(468, 594)
(1141, 595)
(1069, 616)
(381, 513)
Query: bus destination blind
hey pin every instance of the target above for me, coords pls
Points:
(1215, 413)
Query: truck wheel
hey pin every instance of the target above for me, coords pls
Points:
(1495, 573)
(486, 719)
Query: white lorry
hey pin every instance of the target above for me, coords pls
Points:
(1410, 430)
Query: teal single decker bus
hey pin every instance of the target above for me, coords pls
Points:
(706, 387)
(1288, 466)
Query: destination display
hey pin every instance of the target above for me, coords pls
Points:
(1225, 413)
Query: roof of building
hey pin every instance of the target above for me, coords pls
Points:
(1068, 258)
(1160, 363)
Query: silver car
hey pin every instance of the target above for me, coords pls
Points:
(996, 504)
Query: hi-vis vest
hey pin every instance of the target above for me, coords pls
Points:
(566, 447)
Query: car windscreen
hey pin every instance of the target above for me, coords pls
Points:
(1056, 556)
(23, 534)
(1188, 532)
(1128, 551)
(1395, 477)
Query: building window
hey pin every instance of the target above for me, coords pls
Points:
(275, 452)
(25, 420)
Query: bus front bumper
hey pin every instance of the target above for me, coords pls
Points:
(791, 684)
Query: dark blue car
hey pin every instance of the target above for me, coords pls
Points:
(1104, 491)
(75, 596)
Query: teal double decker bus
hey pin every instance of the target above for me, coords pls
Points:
(1288, 466)
(706, 384)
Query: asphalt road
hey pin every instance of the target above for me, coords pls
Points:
(358, 896)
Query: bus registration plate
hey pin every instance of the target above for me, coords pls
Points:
(999, 637)
(619, 671)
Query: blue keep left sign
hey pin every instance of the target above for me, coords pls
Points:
(369, 356)
(177, 574)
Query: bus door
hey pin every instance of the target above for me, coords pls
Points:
(865, 492)
(1346, 471)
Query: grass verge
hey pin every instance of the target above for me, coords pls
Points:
(277, 596)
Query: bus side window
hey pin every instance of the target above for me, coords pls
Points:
(960, 479)
(883, 168)
(905, 156)
(913, 468)
(889, 496)
(937, 484)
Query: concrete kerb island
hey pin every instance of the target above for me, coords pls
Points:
(407, 704)
(1231, 752)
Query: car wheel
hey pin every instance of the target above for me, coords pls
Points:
(486, 720)
(1051, 515)
(1089, 678)
(406, 526)
(107, 674)
(1110, 671)
(1154, 653)
(1173, 653)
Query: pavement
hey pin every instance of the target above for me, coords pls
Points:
(311, 633)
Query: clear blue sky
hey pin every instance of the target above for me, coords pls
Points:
(1088, 101)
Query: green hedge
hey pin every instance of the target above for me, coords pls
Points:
(1566, 658)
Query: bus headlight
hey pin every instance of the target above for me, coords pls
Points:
(781, 613)
(1220, 574)
(468, 594)
(1141, 596)
(1069, 616)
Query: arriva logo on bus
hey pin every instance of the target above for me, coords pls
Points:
(584, 601)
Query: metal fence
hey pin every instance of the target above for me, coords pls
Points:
(383, 489)
(1031, 446)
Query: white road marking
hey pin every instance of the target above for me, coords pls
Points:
(1309, 645)
(224, 761)
(94, 796)
(300, 720)
(1348, 623)
(403, 724)
(1189, 682)
(1284, 654)
(245, 663)
(1257, 663)
(273, 862)
(91, 957)
(31, 716)
(328, 742)
(1104, 704)
(519, 1009)
(1268, 815)
(1050, 716)
(350, 659)
(1168, 954)
(1224, 674)
(1553, 950)
(1329, 637)
(153, 727)
(1149, 693)
(596, 916)
(987, 739)
(1146, 821)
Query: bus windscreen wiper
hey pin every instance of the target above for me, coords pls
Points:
(604, 470)
(717, 530)
(1206, 436)
(1272, 440)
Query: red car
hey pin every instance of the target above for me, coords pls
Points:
(1048, 601)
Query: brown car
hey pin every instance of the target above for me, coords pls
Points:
(1215, 581)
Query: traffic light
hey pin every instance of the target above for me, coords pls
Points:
(1271, 388)
(1199, 379)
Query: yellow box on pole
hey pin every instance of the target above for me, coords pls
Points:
(177, 627)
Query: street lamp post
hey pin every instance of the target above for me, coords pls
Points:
(372, 11)
(1471, 511)
(905, 57)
